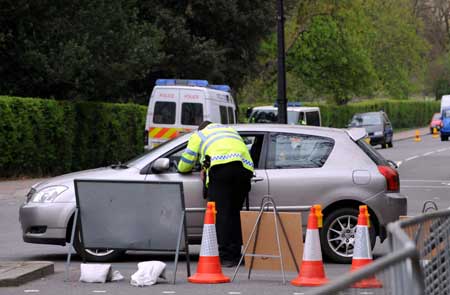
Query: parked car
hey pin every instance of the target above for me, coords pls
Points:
(435, 122)
(378, 127)
(445, 124)
(296, 165)
(296, 115)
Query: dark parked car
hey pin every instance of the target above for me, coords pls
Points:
(377, 125)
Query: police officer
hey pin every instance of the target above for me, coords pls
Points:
(229, 169)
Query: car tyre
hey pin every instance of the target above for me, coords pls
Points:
(444, 138)
(339, 247)
(95, 255)
(390, 144)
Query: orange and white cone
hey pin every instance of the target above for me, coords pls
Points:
(312, 272)
(209, 269)
(362, 252)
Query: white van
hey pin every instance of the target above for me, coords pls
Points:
(296, 115)
(179, 106)
(445, 102)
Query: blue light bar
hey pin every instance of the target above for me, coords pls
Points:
(171, 82)
(198, 83)
(225, 88)
(165, 82)
(290, 104)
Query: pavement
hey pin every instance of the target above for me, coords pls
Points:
(15, 273)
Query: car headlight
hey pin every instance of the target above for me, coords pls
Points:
(377, 133)
(48, 194)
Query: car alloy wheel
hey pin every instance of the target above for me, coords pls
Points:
(95, 255)
(337, 237)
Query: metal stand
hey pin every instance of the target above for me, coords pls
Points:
(182, 232)
(269, 204)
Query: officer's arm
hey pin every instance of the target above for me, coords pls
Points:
(190, 155)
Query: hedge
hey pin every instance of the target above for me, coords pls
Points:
(45, 137)
(402, 113)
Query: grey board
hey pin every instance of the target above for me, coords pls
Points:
(133, 215)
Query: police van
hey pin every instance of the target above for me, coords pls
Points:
(296, 114)
(179, 106)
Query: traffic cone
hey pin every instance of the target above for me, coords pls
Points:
(312, 272)
(435, 133)
(362, 252)
(417, 138)
(209, 270)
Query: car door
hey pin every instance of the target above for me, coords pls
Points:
(193, 187)
(295, 169)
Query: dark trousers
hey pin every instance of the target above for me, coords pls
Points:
(228, 186)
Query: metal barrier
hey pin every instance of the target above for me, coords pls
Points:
(418, 263)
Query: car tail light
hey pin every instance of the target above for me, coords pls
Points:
(392, 178)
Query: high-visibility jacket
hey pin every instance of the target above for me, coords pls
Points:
(222, 144)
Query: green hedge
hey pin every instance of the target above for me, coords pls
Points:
(402, 113)
(46, 137)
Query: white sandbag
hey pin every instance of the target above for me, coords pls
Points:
(148, 273)
(94, 273)
(98, 273)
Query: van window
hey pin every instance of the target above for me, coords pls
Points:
(223, 115)
(230, 115)
(164, 112)
(312, 118)
(191, 113)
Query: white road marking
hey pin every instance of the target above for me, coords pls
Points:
(441, 150)
(31, 291)
(399, 163)
(99, 291)
(429, 153)
(169, 292)
(411, 158)
(425, 186)
(234, 293)
(365, 292)
(425, 180)
(296, 293)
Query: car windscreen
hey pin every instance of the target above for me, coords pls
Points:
(366, 120)
(376, 157)
(271, 116)
(446, 113)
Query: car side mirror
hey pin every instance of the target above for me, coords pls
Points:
(161, 165)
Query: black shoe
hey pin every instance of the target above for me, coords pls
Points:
(230, 263)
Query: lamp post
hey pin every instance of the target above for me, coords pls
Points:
(282, 102)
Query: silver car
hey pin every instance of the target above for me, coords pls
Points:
(296, 165)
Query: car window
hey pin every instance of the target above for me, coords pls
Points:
(298, 151)
(375, 156)
(223, 115)
(164, 112)
(174, 157)
(191, 113)
(312, 118)
(366, 119)
(230, 115)
(254, 143)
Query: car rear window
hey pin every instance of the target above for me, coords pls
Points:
(376, 157)
(312, 118)
(164, 112)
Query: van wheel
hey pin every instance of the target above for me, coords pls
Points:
(337, 236)
(95, 255)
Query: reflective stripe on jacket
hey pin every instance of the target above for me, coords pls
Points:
(222, 144)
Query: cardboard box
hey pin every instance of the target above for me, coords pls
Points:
(267, 241)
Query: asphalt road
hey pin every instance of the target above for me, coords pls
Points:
(424, 173)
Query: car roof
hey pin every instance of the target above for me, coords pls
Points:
(290, 128)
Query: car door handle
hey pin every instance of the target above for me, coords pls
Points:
(257, 179)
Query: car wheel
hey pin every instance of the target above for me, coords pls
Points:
(390, 144)
(444, 138)
(383, 145)
(337, 236)
(95, 255)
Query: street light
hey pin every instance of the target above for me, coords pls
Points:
(282, 102)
